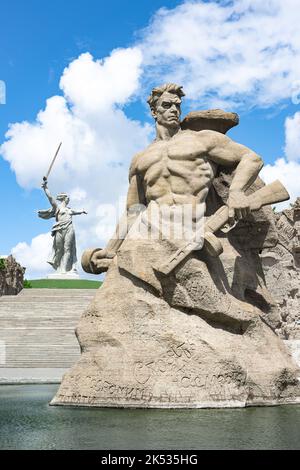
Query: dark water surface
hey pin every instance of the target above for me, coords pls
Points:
(28, 422)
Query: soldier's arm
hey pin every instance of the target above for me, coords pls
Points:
(74, 212)
(224, 151)
(98, 260)
(135, 203)
(48, 194)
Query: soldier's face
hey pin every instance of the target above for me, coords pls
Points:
(167, 112)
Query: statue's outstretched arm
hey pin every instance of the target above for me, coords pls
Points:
(48, 194)
(83, 211)
(98, 260)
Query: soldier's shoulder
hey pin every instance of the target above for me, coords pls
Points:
(211, 134)
(203, 134)
(204, 138)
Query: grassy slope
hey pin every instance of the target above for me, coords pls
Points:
(64, 284)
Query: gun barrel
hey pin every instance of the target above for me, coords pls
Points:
(217, 220)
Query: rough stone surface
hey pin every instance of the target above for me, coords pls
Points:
(294, 347)
(281, 264)
(213, 119)
(11, 276)
(184, 341)
(178, 327)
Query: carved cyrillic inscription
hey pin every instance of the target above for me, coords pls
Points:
(174, 361)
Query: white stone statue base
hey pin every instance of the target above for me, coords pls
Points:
(71, 275)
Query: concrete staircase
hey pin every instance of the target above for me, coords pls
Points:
(37, 340)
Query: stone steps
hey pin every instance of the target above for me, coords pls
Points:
(37, 331)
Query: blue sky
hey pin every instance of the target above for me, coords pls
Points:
(38, 40)
(213, 48)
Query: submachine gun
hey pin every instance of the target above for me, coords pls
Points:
(269, 194)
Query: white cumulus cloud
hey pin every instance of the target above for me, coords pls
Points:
(288, 173)
(98, 141)
(287, 168)
(292, 137)
(34, 255)
(98, 85)
(237, 53)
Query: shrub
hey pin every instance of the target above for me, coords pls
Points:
(27, 284)
(2, 263)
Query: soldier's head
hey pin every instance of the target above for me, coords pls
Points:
(63, 197)
(165, 104)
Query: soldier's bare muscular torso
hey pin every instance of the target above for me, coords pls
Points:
(176, 171)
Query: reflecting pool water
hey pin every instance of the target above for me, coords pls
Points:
(28, 422)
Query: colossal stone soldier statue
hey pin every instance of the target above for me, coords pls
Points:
(185, 320)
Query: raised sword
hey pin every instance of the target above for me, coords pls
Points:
(52, 163)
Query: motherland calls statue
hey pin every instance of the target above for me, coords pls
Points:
(185, 319)
(63, 258)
